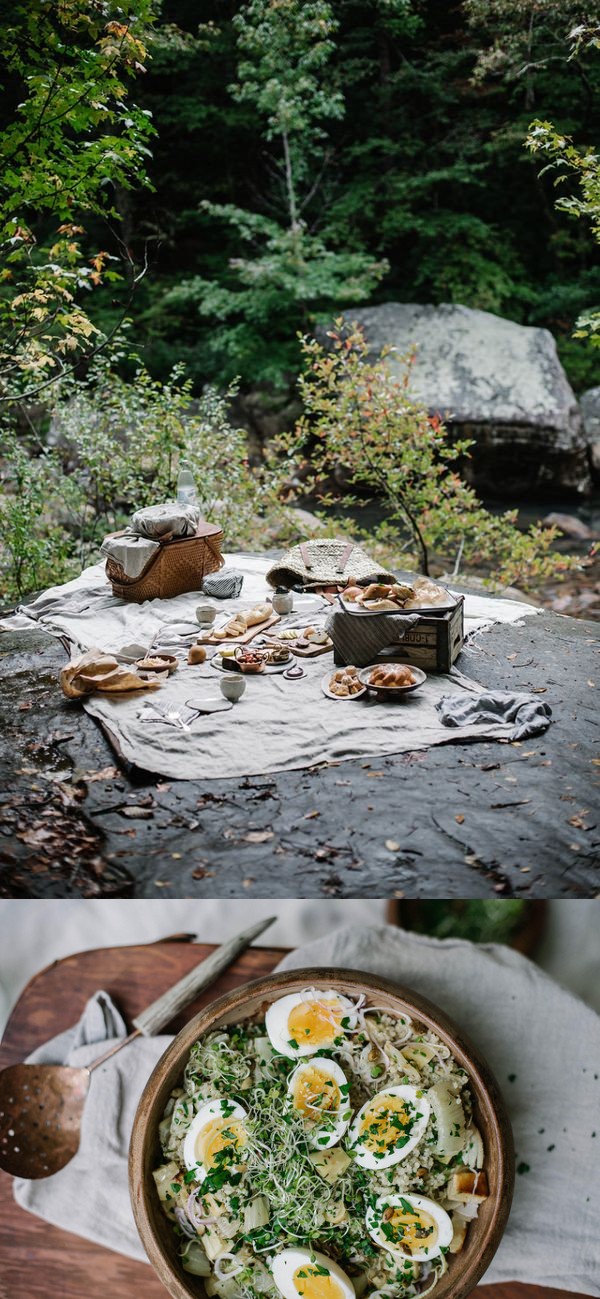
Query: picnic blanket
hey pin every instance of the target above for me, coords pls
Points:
(279, 724)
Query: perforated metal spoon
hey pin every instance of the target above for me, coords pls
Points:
(41, 1105)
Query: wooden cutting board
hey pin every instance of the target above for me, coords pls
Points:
(241, 640)
(38, 1261)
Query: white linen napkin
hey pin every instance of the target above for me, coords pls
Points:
(542, 1043)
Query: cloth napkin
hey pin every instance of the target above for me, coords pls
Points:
(542, 1043)
(529, 716)
(358, 640)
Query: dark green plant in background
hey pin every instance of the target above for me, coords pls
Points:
(426, 169)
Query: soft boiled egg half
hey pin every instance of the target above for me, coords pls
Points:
(409, 1226)
(318, 1090)
(304, 1274)
(388, 1127)
(215, 1137)
(310, 1021)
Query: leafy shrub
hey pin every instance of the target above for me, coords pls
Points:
(117, 447)
(361, 422)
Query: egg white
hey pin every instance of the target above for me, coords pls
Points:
(327, 1134)
(286, 1263)
(277, 1016)
(206, 1114)
(442, 1220)
(368, 1158)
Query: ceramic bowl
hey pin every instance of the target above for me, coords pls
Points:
(205, 615)
(232, 686)
(485, 1232)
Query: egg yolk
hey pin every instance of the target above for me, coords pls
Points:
(313, 1285)
(413, 1231)
(315, 1090)
(219, 1134)
(317, 1022)
(386, 1124)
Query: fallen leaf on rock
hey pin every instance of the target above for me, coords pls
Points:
(392, 846)
(310, 816)
(107, 773)
(201, 874)
(459, 818)
(247, 883)
(592, 685)
(539, 690)
(137, 813)
(25, 706)
(257, 836)
(35, 837)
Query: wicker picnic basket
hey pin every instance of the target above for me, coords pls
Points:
(180, 564)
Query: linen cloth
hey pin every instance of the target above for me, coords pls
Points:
(530, 1030)
(134, 547)
(526, 715)
(358, 640)
(279, 724)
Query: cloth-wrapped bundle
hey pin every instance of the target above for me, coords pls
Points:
(96, 670)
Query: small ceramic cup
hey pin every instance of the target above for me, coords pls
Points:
(232, 686)
(283, 602)
(206, 614)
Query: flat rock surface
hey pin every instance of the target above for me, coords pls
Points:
(461, 820)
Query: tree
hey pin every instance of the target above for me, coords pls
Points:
(361, 422)
(572, 164)
(71, 140)
(289, 269)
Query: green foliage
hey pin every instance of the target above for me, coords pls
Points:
(360, 418)
(424, 172)
(34, 549)
(71, 139)
(287, 272)
(118, 447)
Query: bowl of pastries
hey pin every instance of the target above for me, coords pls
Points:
(392, 680)
(396, 597)
(344, 684)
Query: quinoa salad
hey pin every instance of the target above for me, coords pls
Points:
(325, 1150)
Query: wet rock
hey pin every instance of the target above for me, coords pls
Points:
(590, 411)
(497, 382)
(569, 525)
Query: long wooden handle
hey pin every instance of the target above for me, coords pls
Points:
(151, 1020)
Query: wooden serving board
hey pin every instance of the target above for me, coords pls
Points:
(241, 640)
(38, 1261)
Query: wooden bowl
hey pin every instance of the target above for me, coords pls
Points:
(484, 1233)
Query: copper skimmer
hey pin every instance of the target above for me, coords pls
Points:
(41, 1105)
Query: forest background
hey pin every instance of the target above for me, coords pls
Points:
(252, 169)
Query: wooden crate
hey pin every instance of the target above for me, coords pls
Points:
(434, 642)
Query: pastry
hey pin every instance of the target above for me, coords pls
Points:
(346, 682)
(376, 591)
(353, 594)
(383, 605)
(392, 675)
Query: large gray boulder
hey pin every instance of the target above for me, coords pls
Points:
(497, 382)
(590, 410)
